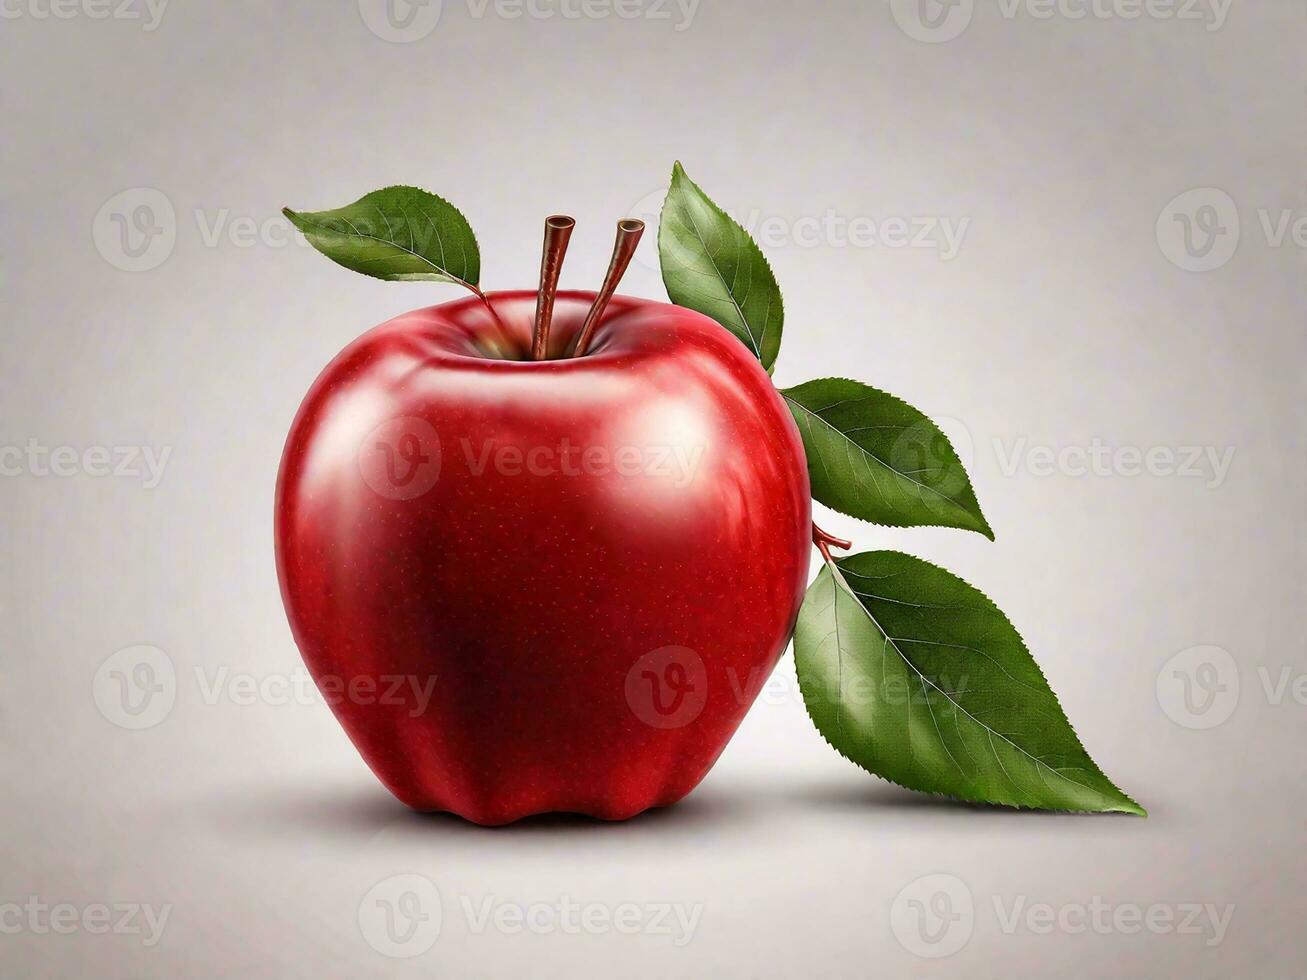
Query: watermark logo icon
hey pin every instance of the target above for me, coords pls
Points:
(400, 459)
(667, 687)
(933, 916)
(1199, 687)
(401, 916)
(932, 21)
(136, 687)
(136, 229)
(400, 21)
(923, 453)
(1198, 231)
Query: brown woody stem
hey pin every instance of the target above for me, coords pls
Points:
(558, 230)
(825, 542)
(629, 231)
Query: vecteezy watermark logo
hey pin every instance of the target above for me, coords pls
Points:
(667, 687)
(136, 229)
(411, 692)
(1199, 687)
(400, 459)
(936, 21)
(136, 687)
(1286, 683)
(97, 918)
(942, 234)
(401, 916)
(35, 458)
(1199, 229)
(1100, 917)
(403, 21)
(933, 916)
(675, 920)
(150, 12)
(1211, 464)
(922, 454)
(400, 21)
(932, 21)
(676, 465)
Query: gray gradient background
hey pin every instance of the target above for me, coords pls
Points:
(1060, 320)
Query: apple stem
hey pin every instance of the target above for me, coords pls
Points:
(629, 231)
(825, 542)
(485, 300)
(558, 230)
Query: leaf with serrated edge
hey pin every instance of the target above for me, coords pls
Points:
(712, 266)
(875, 457)
(919, 678)
(397, 234)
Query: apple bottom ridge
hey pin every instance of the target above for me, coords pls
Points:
(506, 814)
(608, 797)
(594, 814)
(620, 793)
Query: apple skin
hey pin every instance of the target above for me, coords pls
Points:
(583, 629)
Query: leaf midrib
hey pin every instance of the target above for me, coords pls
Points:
(739, 311)
(1039, 763)
(355, 233)
(867, 452)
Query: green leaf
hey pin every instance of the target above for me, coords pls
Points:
(712, 266)
(875, 457)
(917, 677)
(397, 233)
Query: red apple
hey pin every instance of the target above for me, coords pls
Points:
(554, 585)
